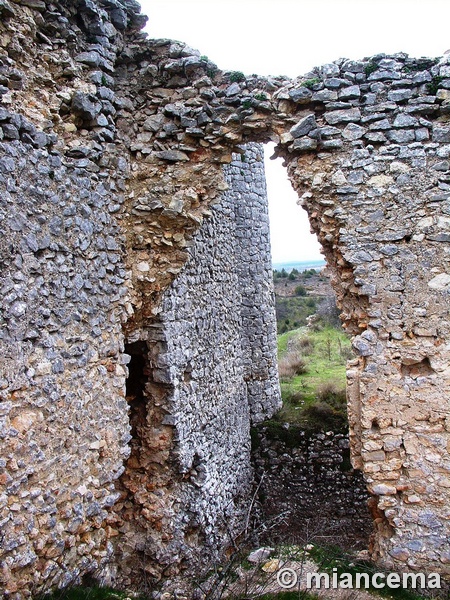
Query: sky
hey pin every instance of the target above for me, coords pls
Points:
(290, 37)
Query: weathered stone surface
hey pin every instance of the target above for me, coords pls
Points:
(351, 92)
(353, 132)
(301, 95)
(304, 126)
(343, 116)
(84, 106)
(172, 155)
(103, 195)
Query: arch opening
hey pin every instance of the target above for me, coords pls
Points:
(308, 437)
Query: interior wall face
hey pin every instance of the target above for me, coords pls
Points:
(212, 372)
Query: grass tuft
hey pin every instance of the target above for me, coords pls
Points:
(90, 593)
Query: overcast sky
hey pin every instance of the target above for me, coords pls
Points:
(290, 37)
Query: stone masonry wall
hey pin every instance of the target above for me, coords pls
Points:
(213, 367)
(308, 488)
(112, 152)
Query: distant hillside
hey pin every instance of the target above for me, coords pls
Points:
(301, 294)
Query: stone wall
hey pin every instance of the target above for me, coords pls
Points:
(307, 489)
(112, 153)
(212, 370)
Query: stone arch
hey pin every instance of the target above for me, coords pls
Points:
(108, 173)
(361, 142)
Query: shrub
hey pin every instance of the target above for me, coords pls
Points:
(290, 365)
(321, 416)
(370, 68)
(261, 97)
(300, 290)
(236, 76)
(293, 396)
(434, 85)
(306, 345)
(329, 312)
(332, 394)
(310, 83)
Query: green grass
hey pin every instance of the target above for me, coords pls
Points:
(90, 593)
(284, 338)
(325, 361)
(329, 557)
(293, 311)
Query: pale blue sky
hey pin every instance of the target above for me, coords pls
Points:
(290, 37)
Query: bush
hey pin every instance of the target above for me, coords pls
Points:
(310, 83)
(300, 291)
(306, 344)
(292, 396)
(237, 76)
(290, 365)
(321, 416)
(329, 312)
(332, 395)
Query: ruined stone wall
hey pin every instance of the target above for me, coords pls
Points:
(112, 153)
(85, 257)
(381, 211)
(308, 488)
(212, 369)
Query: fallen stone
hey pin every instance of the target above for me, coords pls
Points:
(260, 555)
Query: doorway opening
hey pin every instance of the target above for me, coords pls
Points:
(314, 484)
